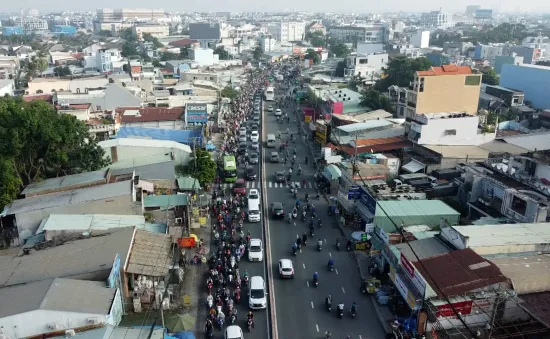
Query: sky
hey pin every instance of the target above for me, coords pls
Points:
(341, 6)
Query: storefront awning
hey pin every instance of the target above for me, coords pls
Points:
(413, 166)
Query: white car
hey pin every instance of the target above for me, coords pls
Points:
(257, 295)
(270, 109)
(254, 136)
(233, 332)
(242, 130)
(278, 112)
(242, 138)
(255, 250)
(254, 196)
(286, 268)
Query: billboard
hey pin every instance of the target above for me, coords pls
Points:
(321, 133)
(368, 201)
(196, 113)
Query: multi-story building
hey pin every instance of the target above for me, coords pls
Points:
(530, 54)
(420, 39)
(376, 33)
(287, 31)
(207, 34)
(33, 25)
(448, 88)
(129, 14)
(436, 19)
(156, 31)
(471, 9)
(267, 43)
(9, 66)
(540, 42)
(317, 27)
(512, 59)
(366, 66)
(533, 80)
(105, 58)
(489, 52)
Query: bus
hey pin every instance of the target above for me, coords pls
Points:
(229, 168)
(269, 94)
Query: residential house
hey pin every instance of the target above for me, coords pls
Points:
(366, 66)
(9, 66)
(7, 87)
(106, 98)
(155, 117)
(125, 149)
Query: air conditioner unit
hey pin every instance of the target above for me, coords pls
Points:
(70, 333)
(179, 220)
(54, 326)
(93, 321)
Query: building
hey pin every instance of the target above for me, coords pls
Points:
(488, 52)
(267, 43)
(33, 25)
(341, 101)
(377, 33)
(501, 60)
(64, 29)
(109, 15)
(437, 58)
(448, 88)
(533, 80)
(287, 31)
(12, 30)
(207, 34)
(54, 305)
(436, 19)
(471, 9)
(366, 66)
(6, 87)
(511, 98)
(530, 54)
(421, 39)
(203, 56)
(124, 149)
(540, 42)
(156, 31)
(317, 27)
(483, 14)
(105, 58)
(152, 117)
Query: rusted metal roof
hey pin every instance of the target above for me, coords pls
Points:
(445, 70)
(459, 272)
(378, 141)
(382, 147)
(151, 114)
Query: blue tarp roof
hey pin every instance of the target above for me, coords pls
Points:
(181, 136)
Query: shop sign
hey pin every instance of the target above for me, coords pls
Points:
(401, 286)
(369, 228)
(382, 235)
(186, 242)
(321, 133)
(196, 113)
(307, 118)
(354, 192)
(411, 300)
(417, 280)
(368, 200)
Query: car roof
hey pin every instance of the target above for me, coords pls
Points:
(240, 180)
(255, 242)
(233, 331)
(285, 263)
(256, 280)
(252, 191)
(277, 204)
(254, 132)
(273, 153)
(250, 169)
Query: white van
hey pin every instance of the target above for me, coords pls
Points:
(253, 210)
(271, 141)
(258, 296)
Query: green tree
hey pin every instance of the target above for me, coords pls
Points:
(203, 168)
(316, 39)
(257, 53)
(354, 83)
(105, 33)
(36, 65)
(489, 77)
(229, 92)
(312, 55)
(127, 35)
(10, 183)
(400, 72)
(339, 49)
(129, 48)
(41, 143)
(222, 53)
(169, 56)
(149, 38)
(156, 63)
(504, 32)
(374, 100)
(62, 71)
(340, 68)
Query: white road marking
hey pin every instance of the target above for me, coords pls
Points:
(343, 290)
(329, 254)
(307, 283)
(294, 224)
(325, 240)
(300, 250)
(270, 184)
(317, 327)
(360, 337)
(304, 266)
(336, 271)
(312, 305)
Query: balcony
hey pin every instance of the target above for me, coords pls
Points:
(411, 103)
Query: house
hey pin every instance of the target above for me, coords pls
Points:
(109, 97)
(184, 43)
(126, 149)
(152, 117)
(7, 86)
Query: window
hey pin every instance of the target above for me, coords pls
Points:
(78, 90)
(472, 80)
(98, 108)
(39, 91)
(450, 132)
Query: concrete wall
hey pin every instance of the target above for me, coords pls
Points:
(534, 81)
(438, 132)
(178, 124)
(448, 93)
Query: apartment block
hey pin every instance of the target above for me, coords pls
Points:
(156, 31)
(533, 80)
(376, 33)
(436, 19)
(448, 88)
(123, 14)
(367, 66)
(421, 39)
(287, 31)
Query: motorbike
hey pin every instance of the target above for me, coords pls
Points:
(245, 281)
(294, 214)
(353, 312)
(340, 312)
(209, 287)
(295, 193)
(331, 267)
(289, 218)
(230, 278)
(294, 250)
(330, 211)
(311, 232)
(304, 216)
(209, 333)
(319, 247)
(230, 308)
(329, 305)
(210, 301)
(320, 223)
(249, 325)
(315, 282)
(220, 322)
(237, 297)
(233, 319)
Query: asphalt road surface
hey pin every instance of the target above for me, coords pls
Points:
(300, 308)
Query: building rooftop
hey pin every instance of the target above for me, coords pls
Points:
(141, 161)
(361, 126)
(343, 94)
(529, 274)
(165, 201)
(150, 254)
(89, 222)
(144, 143)
(76, 196)
(531, 142)
(505, 234)
(459, 272)
(63, 183)
(70, 259)
(424, 248)
(445, 70)
(409, 208)
(119, 332)
(64, 295)
(459, 151)
(180, 136)
(158, 171)
(149, 114)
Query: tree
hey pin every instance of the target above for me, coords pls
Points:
(339, 49)
(149, 38)
(156, 63)
(62, 71)
(203, 168)
(129, 49)
(258, 53)
(374, 100)
(400, 72)
(105, 33)
(340, 68)
(316, 39)
(229, 92)
(222, 53)
(312, 55)
(36, 65)
(490, 77)
(354, 83)
(40, 143)
(10, 183)
(169, 56)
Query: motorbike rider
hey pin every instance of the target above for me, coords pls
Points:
(250, 318)
(330, 263)
(328, 300)
(341, 307)
(299, 241)
(304, 238)
(208, 327)
(315, 277)
(327, 335)
(294, 247)
(319, 242)
(354, 307)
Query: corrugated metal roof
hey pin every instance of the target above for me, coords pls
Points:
(82, 296)
(73, 258)
(364, 126)
(157, 171)
(71, 197)
(188, 183)
(505, 234)
(64, 182)
(529, 274)
(141, 161)
(459, 272)
(404, 208)
(531, 142)
(87, 222)
(424, 248)
(377, 141)
(144, 143)
(165, 201)
(180, 136)
(150, 254)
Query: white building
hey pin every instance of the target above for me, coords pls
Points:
(54, 305)
(267, 43)
(421, 39)
(489, 52)
(105, 58)
(367, 66)
(287, 31)
(33, 25)
(127, 149)
(7, 86)
(436, 19)
(156, 31)
(540, 42)
(129, 14)
(202, 56)
(447, 129)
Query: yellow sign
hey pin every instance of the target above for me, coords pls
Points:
(360, 246)
(321, 133)
(391, 274)
(195, 211)
(411, 300)
(202, 220)
(307, 118)
(187, 300)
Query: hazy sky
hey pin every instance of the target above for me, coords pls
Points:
(357, 6)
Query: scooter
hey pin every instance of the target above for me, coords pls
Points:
(294, 214)
(304, 216)
(319, 247)
(316, 282)
(329, 306)
(249, 325)
(340, 313)
(331, 267)
(210, 301)
(338, 245)
(294, 251)
(311, 232)
(353, 313)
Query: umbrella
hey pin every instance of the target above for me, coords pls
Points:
(184, 335)
(180, 322)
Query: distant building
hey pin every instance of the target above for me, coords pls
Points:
(202, 56)
(421, 39)
(471, 9)
(205, 33)
(156, 31)
(287, 31)
(33, 25)
(533, 80)
(484, 14)
(267, 43)
(367, 66)
(507, 60)
(488, 52)
(530, 54)
(436, 19)
(317, 27)
(65, 30)
(377, 33)
(12, 30)
(130, 14)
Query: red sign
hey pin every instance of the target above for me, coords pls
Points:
(407, 265)
(462, 307)
(186, 242)
(434, 334)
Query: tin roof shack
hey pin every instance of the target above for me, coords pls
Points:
(45, 307)
(23, 217)
(413, 212)
(66, 183)
(171, 210)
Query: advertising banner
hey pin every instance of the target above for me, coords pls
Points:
(321, 133)
(196, 113)
(115, 273)
(417, 280)
(187, 242)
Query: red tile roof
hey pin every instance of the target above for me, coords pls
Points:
(151, 114)
(459, 272)
(378, 141)
(31, 97)
(445, 70)
(182, 42)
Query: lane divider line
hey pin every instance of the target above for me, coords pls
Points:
(307, 283)
(343, 290)
(317, 327)
(336, 271)
(330, 254)
(312, 306)
(304, 265)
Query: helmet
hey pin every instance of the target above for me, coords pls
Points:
(249, 312)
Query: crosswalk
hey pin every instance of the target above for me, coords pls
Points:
(270, 184)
